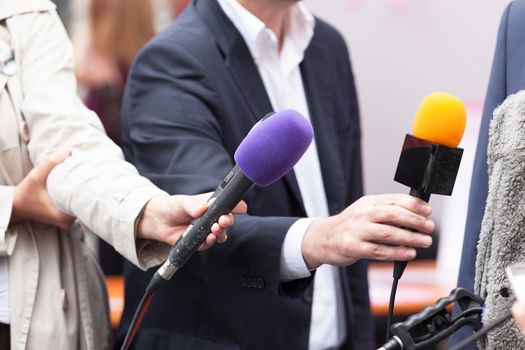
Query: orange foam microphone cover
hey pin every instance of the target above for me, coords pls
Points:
(430, 159)
(441, 119)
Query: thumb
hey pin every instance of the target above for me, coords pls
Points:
(197, 205)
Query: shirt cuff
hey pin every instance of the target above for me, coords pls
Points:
(6, 207)
(293, 266)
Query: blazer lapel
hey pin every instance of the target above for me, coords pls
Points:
(243, 70)
(318, 87)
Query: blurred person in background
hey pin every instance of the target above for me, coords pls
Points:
(118, 30)
(52, 294)
(507, 77)
(177, 6)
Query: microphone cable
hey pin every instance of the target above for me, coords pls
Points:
(497, 323)
(154, 284)
(399, 268)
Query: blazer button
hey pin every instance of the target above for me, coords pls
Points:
(247, 282)
(243, 282)
(504, 292)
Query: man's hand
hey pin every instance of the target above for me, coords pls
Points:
(31, 200)
(165, 218)
(363, 230)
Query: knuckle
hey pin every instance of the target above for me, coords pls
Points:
(388, 214)
(385, 233)
(378, 252)
(412, 240)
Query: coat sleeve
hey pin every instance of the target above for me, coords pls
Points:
(174, 135)
(95, 184)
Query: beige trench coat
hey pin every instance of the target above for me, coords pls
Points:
(58, 298)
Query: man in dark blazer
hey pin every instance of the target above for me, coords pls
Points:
(193, 94)
(507, 77)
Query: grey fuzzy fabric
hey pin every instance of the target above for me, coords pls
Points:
(502, 238)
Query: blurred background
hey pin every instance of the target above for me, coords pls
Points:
(401, 50)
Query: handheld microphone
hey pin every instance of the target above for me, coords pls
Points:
(429, 160)
(268, 152)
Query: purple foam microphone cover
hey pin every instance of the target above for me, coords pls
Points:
(274, 146)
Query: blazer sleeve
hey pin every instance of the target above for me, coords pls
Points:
(174, 136)
(95, 184)
(351, 148)
(496, 94)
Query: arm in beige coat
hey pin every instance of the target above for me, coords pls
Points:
(94, 184)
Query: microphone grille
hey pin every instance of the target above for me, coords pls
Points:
(274, 146)
(441, 119)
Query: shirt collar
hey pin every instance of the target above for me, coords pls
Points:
(298, 31)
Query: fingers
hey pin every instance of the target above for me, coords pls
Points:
(240, 208)
(218, 235)
(400, 216)
(380, 233)
(194, 206)
(41, 171)
(208, 243)
(385, 253)
(197, 205)
(226, 221)
(405, 201)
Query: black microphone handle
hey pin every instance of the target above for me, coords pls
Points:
(399, 266)
(226, 197)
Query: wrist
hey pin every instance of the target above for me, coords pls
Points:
(147, 221)
(311, 246)
(17, 212)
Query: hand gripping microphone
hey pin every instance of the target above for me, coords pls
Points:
(430, 159)
(268, 152)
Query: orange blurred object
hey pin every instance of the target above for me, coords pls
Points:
(421, 286)
(441, 119)
(115, 285)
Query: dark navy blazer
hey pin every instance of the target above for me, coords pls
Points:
(507, 77)
(193, 94)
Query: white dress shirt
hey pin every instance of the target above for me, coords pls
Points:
(283, 82)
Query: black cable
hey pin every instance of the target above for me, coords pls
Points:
(390, 314)
(155, 282)
(399, 267)
(137, 318)
(467, 341)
